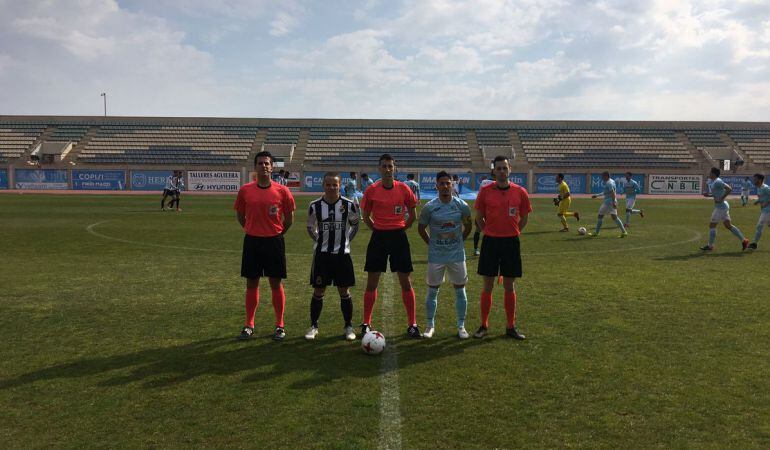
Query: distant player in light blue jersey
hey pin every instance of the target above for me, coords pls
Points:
(444, 224)
(365, 182)
(350, 187)
(719, 191)
(413, 185)
(763, 192)
(746, 191)
(630, 189)
(609, 206)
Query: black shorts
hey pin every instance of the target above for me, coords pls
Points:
(391, 244)
(263, 257)
(332, 268)
(500, 256)
(168, 193)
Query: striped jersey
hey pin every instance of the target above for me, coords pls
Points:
(174, 183)
(334, 225)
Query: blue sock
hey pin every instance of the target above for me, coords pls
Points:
(712, 236)
(461, 305)
(599, 224)
(628, 216)
(734, 230)
(431, 301)
(758, 235)
(620, 224)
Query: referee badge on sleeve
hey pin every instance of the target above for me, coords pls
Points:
(512, 211)
(399, 209)
(273, 210)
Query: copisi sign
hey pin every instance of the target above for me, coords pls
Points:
(675, 184)
(207, 180)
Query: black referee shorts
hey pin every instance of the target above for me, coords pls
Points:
(500, 256)
(391, 244)
(263, 257)
(168, 193)
(332, 268)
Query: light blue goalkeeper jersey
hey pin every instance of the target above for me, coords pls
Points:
(445, 221)
(718, 189)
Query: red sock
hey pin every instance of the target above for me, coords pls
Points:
(510, 308)
(279, 303)
(486, 306)
(411, 313)
(252, 301)
(369, 298)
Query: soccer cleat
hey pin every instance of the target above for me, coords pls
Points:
(414, 332)
(623, 234)
(514, 333)
(428, 332)
(641, 213)
(745, 244)
(246, 334)
(590, 234)
(311, 333)
(626, 225)
(462, 333)
(481, 332)
(364, 329)
(476, 252)
(753, 246)
(564, 230)
(707, 248)
(577, 216)
(279, 334)
(350, 335)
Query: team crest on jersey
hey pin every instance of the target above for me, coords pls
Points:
(273, 210)
(511, 211)
(399, 209)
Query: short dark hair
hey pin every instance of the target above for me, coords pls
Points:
(759, 176)
(353, 174)
(715, 171)
(499, 158)
(605, 173)
(560, 175)
(443, 174)
(385, 157)
(629, 174)
(263, 154)
(364, 175)
(410, 176)
(332, 174)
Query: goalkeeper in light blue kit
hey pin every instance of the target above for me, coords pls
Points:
(609, 206)
(763, 192)
(444, 224)
(719, 191)
(631, 188)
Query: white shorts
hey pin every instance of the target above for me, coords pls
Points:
(607, 208)
(764, 219)
(458, 273)
(630, 202)
(720, 215)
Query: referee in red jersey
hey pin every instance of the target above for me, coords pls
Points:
(265, 210)
(502, 212)
(383, 210)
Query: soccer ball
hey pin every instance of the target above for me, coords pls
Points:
(373, 343)
(582, 231)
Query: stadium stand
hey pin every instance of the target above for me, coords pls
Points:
(754, 143)
(68, 133)
(412, 147)
(604, 148)
(16, 139)
(710, 143)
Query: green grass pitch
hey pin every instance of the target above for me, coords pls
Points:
(124, 336)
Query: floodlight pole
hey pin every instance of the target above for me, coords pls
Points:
(104, 94)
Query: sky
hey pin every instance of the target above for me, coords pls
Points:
(421, 59)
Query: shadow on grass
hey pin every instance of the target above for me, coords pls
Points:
(260, 360)
(702, 254)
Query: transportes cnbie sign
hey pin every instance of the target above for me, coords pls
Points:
(41, 179)
(100, 180)
(675, 184)
(214, 181)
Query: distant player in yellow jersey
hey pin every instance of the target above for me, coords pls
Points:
(562, 201)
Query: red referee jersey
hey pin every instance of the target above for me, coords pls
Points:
(264, 208)
(387, 206)
(502, 209)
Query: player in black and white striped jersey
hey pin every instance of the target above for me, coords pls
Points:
(332, 223)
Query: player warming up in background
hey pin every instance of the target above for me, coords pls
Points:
(265, 210)
(763, 200)
(609, 206)
(413, 185)
(177, 184)
(502, 212)
(445, 223)
(719, 191)
(631, 189)
(332, 222)
(746, 191)
(383, 207)
(563, 201)
(350, 187)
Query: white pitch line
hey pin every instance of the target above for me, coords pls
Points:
(390, 409)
